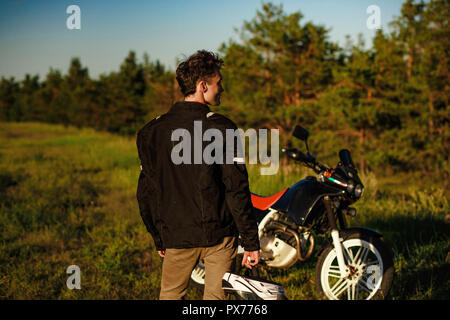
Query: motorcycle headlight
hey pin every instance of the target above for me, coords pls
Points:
(350, 186)
(359, 190)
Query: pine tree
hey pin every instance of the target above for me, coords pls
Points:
(9, 94)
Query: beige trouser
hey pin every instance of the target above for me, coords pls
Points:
(179, 263)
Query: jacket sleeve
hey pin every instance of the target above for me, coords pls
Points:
(144, 194)
(237, 197)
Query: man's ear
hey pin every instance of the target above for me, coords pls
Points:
(204, 86)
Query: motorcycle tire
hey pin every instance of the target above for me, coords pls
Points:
(369, 268)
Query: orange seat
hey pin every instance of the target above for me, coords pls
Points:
(264, 203)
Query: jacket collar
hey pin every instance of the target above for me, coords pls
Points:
(189, 106)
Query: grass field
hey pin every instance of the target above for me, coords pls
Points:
(67, 197)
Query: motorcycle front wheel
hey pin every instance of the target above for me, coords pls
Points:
(369, 270)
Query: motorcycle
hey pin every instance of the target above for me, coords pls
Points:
(352, 263)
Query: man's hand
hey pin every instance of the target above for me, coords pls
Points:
(162, 253)
(250, 259)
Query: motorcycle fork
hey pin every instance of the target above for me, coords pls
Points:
(335, 236)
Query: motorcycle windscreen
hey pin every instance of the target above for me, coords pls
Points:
(301, 198)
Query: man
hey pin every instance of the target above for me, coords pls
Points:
(194, 210)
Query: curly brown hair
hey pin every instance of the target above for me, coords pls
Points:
(198, 67)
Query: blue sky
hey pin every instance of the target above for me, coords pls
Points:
(34, 36)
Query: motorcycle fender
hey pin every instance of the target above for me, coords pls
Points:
(346, 233)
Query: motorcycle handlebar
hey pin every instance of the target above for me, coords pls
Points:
(308, 159)
(297, 155)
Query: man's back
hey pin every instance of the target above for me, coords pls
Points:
(193, 204)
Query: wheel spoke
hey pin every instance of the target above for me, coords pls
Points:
(334, 272)
(362, 255)
(352, 292)
(356, 292)
(349, 255)
(370, 263)
(357, 254)
(339, 287)
(363, 285)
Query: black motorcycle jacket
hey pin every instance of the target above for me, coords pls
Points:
(192, 203)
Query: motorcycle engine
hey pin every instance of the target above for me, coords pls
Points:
(277, 251)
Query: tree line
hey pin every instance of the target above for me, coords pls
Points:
(388, 103)
(118, 102)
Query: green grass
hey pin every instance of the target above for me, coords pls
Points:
(67, 196)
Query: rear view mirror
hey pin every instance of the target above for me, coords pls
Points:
(300, 133)
(346, 158)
